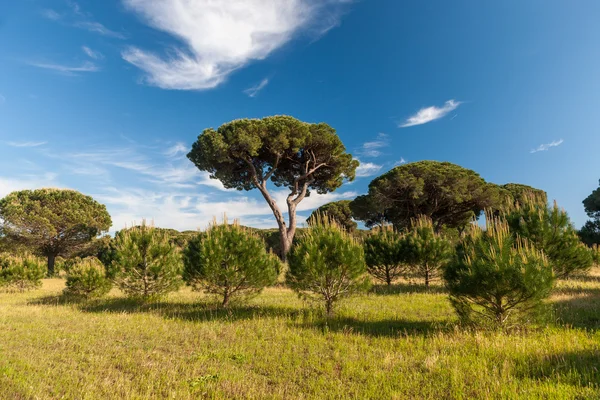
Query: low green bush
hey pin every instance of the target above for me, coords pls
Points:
(21, 273)
(496, 279)
(327, 264)
(87, 278)
(147, 264)
(229, 261)
(383, 255)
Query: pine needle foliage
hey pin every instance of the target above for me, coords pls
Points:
(384, 254)
(497, 279)
(327, 264)
(229, 261)
(147, 264)
(426, 250)
(87, 278)
(21, 273)
(550, 230)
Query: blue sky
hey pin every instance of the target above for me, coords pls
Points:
(107, 96)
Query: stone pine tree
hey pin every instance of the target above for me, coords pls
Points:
(384, 249)
(282, 151)
(590, 232)
(446, 193)
(147, 264)
(229, 261)
(52, 222)
(338, 211)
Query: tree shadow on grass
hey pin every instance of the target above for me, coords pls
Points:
(197, 311)
(403, 288)
(579, 312)
(580, 368)
(378, 328)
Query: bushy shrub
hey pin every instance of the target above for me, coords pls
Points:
(327, 264)
(384, 254)
(21, 273)
(495, 278)
(229, 261)
(550, 230)
(87, 278)
(147, 264)
(596, 254)
(426, 250)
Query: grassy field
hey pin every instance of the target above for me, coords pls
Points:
(400, 344)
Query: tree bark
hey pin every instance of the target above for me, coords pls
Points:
(388, 279)
(51, 262)
(427, 276)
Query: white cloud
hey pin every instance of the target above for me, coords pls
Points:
(97, 27)
(176, 150)
(26, 144)
(400, 162)
(9, 185)
(432, 113)
(96, 55)
(253, 91)
(51, 14)
(220, 36)
(547, 146)
(367, 169)
(67, 69)
(373, 148)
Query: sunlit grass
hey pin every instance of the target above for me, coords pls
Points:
(402, 343)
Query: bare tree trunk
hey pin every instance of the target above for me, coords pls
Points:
(225, 299)
(388, 279)
(329, 308)
(427, 276)
(51, 262)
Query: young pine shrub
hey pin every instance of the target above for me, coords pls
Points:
(327, 264)
(596, 254)
(21, 273)
(146, 264)
(383, 254)
(229, 261)
(426, 250)
(496, 279)
(550, 230)
(86, 278)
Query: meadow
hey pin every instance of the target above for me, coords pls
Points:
(398, 343)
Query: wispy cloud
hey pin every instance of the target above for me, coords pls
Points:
(51, 14)
(26, 144)
(400, 162)
(547, 146)
(373, 148)
(432, 113)
(367, 169)
(67, 69)
(222, 36)
(96, 55)
(178, 149)
(97, 27)
(23, 182)
(253, 91)
(76, 17)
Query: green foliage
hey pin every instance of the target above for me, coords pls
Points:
(53, 222)
(87, 278)
(229, 261)
(596, 254)
(497, 279)
(365, 209)
(339, 211)
(519, 194)
(328, 264)
(147, 264)
(247, 154)
(426, 250)
(447, 193)
(550, 230)
(21, 273)
(592, 204)
(384, 254)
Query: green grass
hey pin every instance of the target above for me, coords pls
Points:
(401, 344)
